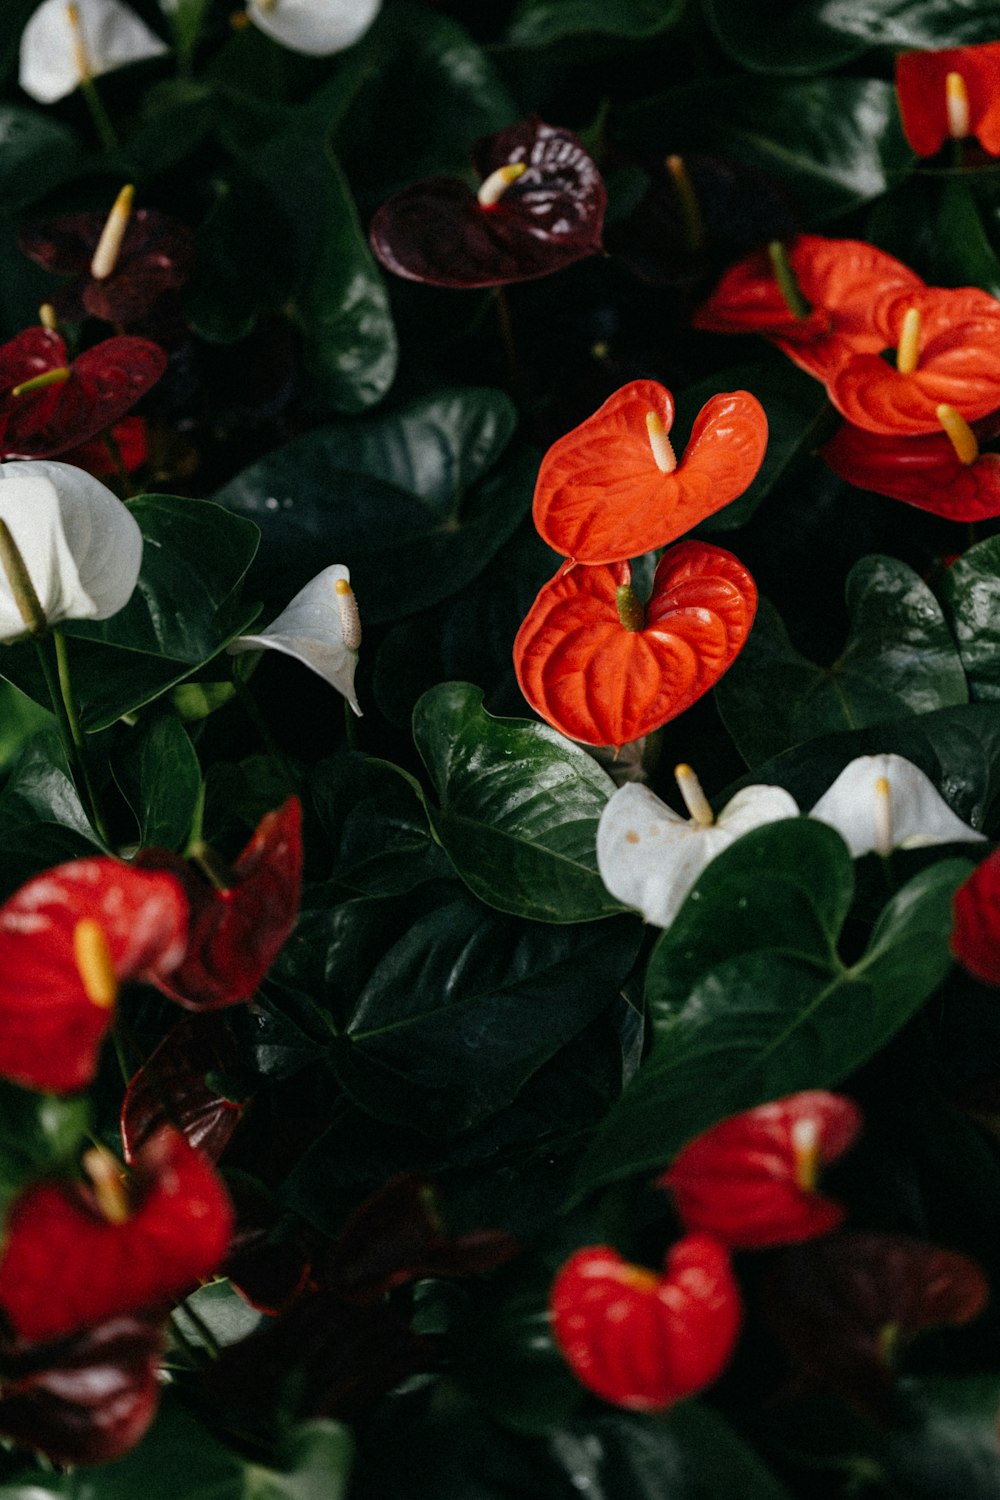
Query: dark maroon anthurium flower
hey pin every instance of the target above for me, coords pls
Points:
(173, 1087)
(842, 1307)
(86, 1399)
(540, 207)
(77, 1254)
(943, 472)
(239, 924)
(49, 405)
(975, 933)
(751, 1180)
(156, 255)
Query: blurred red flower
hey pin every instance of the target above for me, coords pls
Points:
(975, 933)
(922, 87)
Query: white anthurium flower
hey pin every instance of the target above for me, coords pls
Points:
(81, 547)
(320, 628)
(63, 43)
(649, 856)
(319, 27)
(883, 802)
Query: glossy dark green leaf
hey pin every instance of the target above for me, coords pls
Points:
(970, 592)
(539, 23)
(900, 658)
(833, 142)
(376, 823)
(39, 1134)
(245, 261)
(963, 254)
(519, 806)
(792, 38)
(183, 612)
(20, 719)
(749, 1000)
(464, 1006)
(36, 155)
(42, 820)
(408, 501)
(912, 23)
(159, 774)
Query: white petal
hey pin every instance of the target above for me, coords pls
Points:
(754, 806)
(319, 27)
(310, 630)
(113, 35)
(648, 856)
(80, 544)
(920, 814)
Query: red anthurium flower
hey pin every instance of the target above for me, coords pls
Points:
(641, 1340)
(605, 669)
(239, 925)
(78, 1254)
(949, 95)
(67, 940)
(939, 472)
(49, 405)
(842, 282)
(155, 255)
(975, 933)
(945, 343)
(751, 1180)
(539, 207)
(131, 437)
(614, 488)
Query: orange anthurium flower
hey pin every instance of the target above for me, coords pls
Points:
(613, 487)
(605, 669)
(842, 283)
(928, 472)
(946, 344)
(950, 95)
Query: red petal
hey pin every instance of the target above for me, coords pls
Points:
(923, 471)
(65, 1267)
(642, 1341)
(173, 1088)
(975, 936)
(104, 383)
(131, 435)
(920, 86)
(599, 683)
(50, 1032)
(738, 1180)
(600, 496)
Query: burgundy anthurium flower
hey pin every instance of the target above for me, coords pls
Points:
(975, 933)
(642, 1340)
(239, 924)
(77, 1254)
(949, 95)
(614, 488)
(155, 255)
(540, 207)
(49, 405)
(751, 1180)
(943, 472)
(179, 1085)
(68, 939)
(604, 668)
(815, 299)
(945, 344)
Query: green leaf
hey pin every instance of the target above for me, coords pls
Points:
(159, 774)
(834, 143)
(245, 261)
(913, 23)
(36, 155)
(39, 1134)
(20, 720)
(788, 39)
(374, 817)
(970, 593)
(519, 807)
(539, 23)
(183, 612)
(42, 820)
(407, 501)
(900, 658)
(962, 254)
(749, 1000)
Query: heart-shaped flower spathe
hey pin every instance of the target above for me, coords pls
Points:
(105, 34)
(883, 802)
(321, 628)
(928, 472)
(602, 682)
(645, 1341)
(950, 94)
(613, 487)
(548, 214)
(317, 28)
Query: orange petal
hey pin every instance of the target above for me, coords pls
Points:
(921, 471)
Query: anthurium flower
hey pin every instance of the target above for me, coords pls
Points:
(64, 43)
(641, 1340)
(81, 547)
(649, 856)
(78, 1253)
(540, 206)
(321, 628)
(182, 1083)
(318, 27)
(841, 284)
(751, 1180)
(943, 472)
(604, 668)
(131, 438)
(975, 934)
(614, 488)
(49, 404)
(68, 939)
(949, 95)
(883, 802)
(945, 343)
(239, 924)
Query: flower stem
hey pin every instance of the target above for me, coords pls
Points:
(106, 132)
(61, 692)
